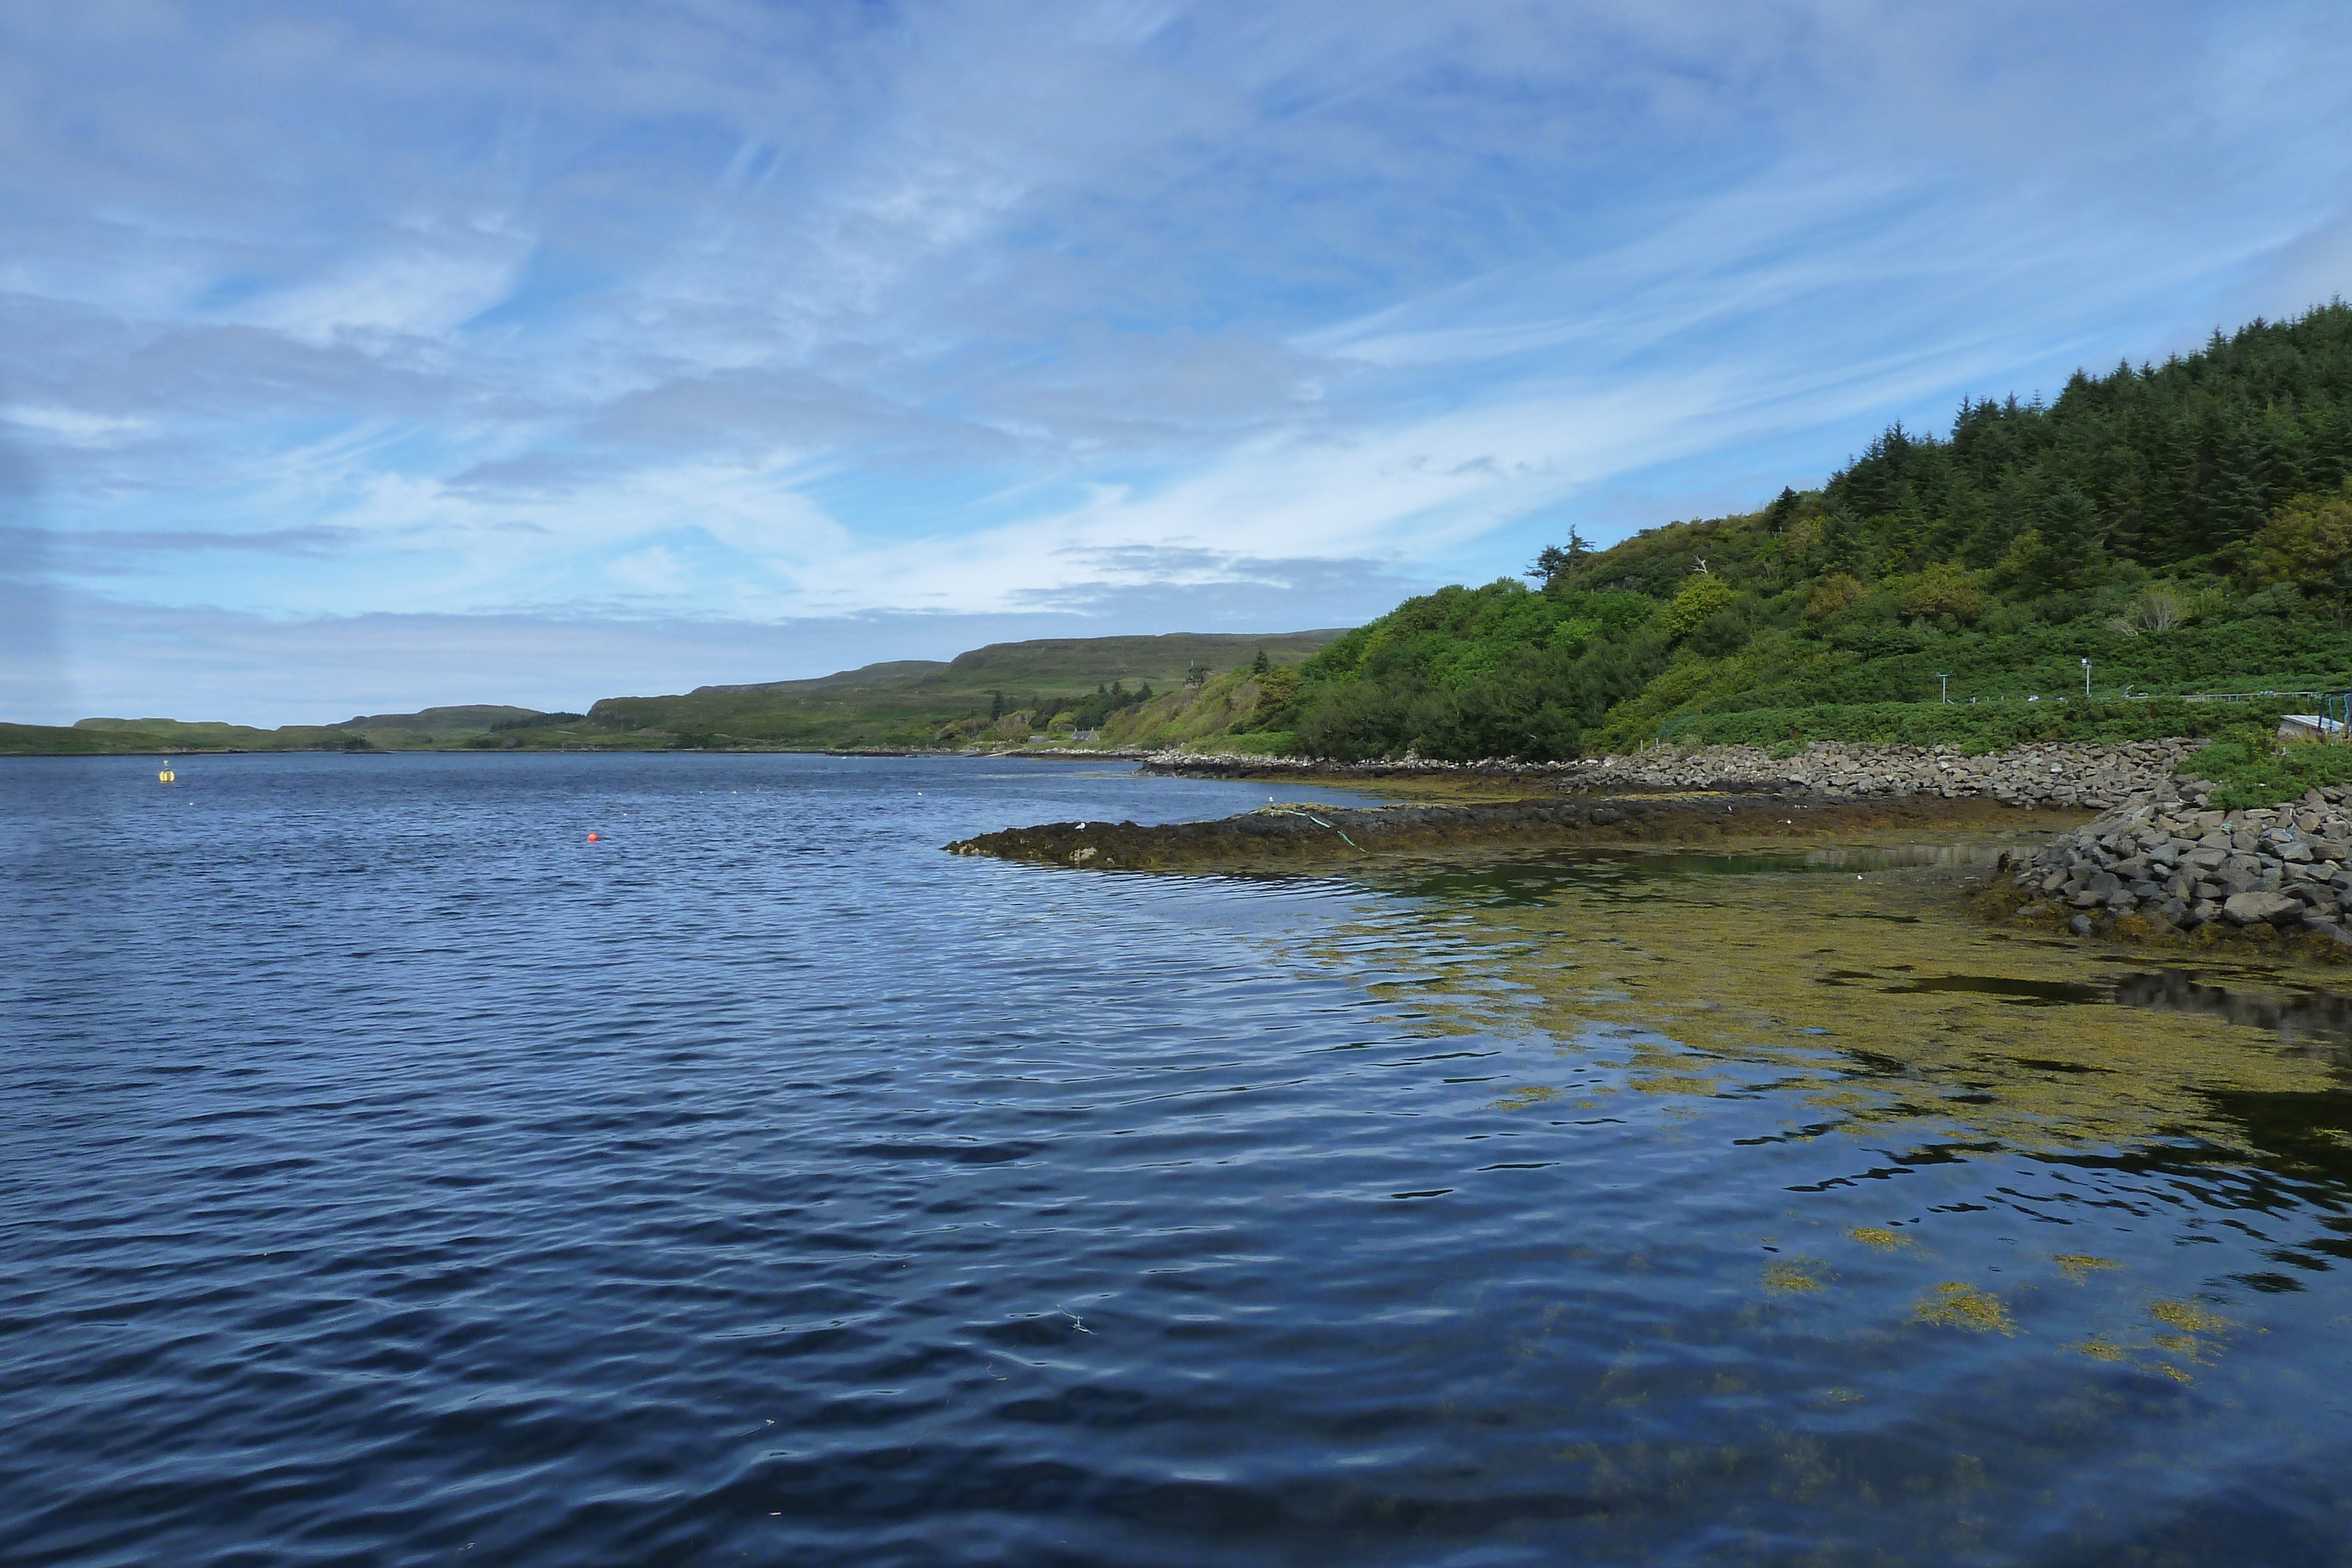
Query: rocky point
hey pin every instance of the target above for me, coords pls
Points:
(2170, 863)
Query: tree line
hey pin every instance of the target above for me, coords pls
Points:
(2182, 523)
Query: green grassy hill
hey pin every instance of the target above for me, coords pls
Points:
(57, 740)
(430, 728)
(2186, 527)
(471, 718)
(1005, 692)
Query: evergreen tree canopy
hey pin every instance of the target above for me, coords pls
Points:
(2185, 526)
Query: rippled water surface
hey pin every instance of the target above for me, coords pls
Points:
(392, 1176)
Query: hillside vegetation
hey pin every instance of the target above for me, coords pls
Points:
(431, 728)
(59, 740)
(1049, 688)
(1005, 692)
(2187, 528)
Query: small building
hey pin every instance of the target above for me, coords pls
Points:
(2310, 726)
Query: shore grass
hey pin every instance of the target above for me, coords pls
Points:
(2250, 773)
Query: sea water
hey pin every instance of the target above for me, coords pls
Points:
(393, 1175)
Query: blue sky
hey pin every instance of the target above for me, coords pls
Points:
(358, 358)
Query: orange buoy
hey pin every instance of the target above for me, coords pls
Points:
(591, 838)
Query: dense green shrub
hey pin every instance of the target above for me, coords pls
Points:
(2250, 771)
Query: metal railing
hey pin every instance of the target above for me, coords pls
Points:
(2335, 715)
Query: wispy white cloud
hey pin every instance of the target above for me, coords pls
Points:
(74, 427)
(768, 312)
(424, 284)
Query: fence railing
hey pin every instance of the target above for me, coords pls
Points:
(2245, 697)
(2333, 715)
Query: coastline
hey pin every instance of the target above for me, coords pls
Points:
(1293, 834)
(1698, 796)
(2169, 869)
(2138, 856)
(2055, 774)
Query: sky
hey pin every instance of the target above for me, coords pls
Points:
(354, 359)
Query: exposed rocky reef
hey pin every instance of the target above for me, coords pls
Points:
(2168, 864)
(1296, 832)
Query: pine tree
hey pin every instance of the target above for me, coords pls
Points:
(2232, 502)
(2070, 538)
(2331, 451)
(2279, 449)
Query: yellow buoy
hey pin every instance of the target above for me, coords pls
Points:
(166, 775)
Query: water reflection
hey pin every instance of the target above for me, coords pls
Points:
(2031, 993)
(775, 1189)
(2074, 1160)
(1538, 876)
(1870, 992)
(2301, 1019)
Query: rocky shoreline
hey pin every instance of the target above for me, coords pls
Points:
(2170, 865)
(2158, 865)
(2052, 775)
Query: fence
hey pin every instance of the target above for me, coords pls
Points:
(1967, 722)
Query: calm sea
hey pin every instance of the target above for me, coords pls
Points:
(392, 1176)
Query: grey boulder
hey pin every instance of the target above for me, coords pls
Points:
(2261, 908)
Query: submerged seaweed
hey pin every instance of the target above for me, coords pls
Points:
(1873, 1006)
(1875, 994)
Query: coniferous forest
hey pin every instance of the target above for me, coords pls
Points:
(2186, 526)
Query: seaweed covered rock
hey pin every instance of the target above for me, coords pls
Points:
(1297, 831)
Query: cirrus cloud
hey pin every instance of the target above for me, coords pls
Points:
(799, 315)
